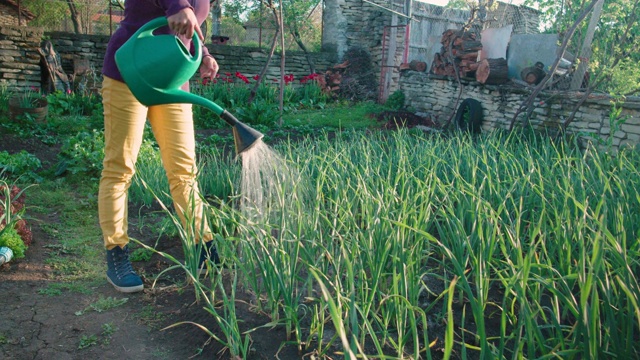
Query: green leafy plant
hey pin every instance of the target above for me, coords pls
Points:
(10, 238)
(87, 341)
(14, 233)
(61, 103)
(82, 154)
(21, 165)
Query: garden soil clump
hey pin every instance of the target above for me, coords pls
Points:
(37, 323)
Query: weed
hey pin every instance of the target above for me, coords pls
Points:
(107, 332)
(140, 255)
(87, 341)
(149, 316)
(51, 290)
(103, 304)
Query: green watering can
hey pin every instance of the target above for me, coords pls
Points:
(156, 66)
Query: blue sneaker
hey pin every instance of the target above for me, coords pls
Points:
(120, 273)
(208, 252)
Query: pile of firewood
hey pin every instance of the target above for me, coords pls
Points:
(459, 48)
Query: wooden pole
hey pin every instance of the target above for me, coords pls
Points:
(19, 14)
(585, 51)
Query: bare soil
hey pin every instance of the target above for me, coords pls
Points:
(35, 325)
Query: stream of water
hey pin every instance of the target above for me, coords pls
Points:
(267, 184)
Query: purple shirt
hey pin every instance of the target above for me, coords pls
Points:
(140, 12)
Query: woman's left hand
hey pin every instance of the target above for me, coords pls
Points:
(208, 68)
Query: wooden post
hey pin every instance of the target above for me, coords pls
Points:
(585, 51)
(19, 14)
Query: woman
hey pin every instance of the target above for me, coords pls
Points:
(172, 125)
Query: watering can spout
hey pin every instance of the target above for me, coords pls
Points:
(156, 66)
(244, 136)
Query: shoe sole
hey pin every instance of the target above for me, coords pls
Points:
(128, 289)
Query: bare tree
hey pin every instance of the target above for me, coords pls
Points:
(75, 17)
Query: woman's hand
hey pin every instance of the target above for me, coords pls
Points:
(208, 68)
(184, 22)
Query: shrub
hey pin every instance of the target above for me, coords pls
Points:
(396, 100)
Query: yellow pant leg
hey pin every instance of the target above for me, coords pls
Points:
(172, 126)
(124, 119)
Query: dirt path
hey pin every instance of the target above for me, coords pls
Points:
(37, 321)
(71, 325)
(37, 325)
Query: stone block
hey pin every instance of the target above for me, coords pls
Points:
(620, 135)
(9, 52)
(10, 32)
(631, 129)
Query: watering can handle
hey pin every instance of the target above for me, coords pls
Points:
(148, 29)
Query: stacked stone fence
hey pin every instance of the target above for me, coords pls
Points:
(21, 68)
(437, 95)
(19, 57)
(250, 61)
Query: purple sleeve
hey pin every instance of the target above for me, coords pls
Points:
(172, 6)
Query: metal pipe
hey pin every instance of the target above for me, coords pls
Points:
(393, 11)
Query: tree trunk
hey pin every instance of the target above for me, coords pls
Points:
(492, 71)
(298, 40)
(75, 17)
(216, 15)
(254, 91)
(274, 42)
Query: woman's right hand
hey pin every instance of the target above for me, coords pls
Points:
(184, 22)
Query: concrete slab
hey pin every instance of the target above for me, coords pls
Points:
(495, 42)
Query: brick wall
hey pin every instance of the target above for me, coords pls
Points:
(437, 96)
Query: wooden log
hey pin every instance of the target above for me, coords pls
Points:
(470, 45)
(468, 56)
(416, 65)
(492, 71)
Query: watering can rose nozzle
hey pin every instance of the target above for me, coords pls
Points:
(244, 136)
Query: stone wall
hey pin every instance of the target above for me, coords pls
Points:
(19, 57)
(72, 47)
(8, 15)
(20, 60)
(437, 96)
(249, 61)
(349, 23)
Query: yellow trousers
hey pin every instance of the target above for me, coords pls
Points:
(172, 125)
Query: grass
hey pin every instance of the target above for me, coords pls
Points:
(356, 116)
(76, 256)
(103, 304)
